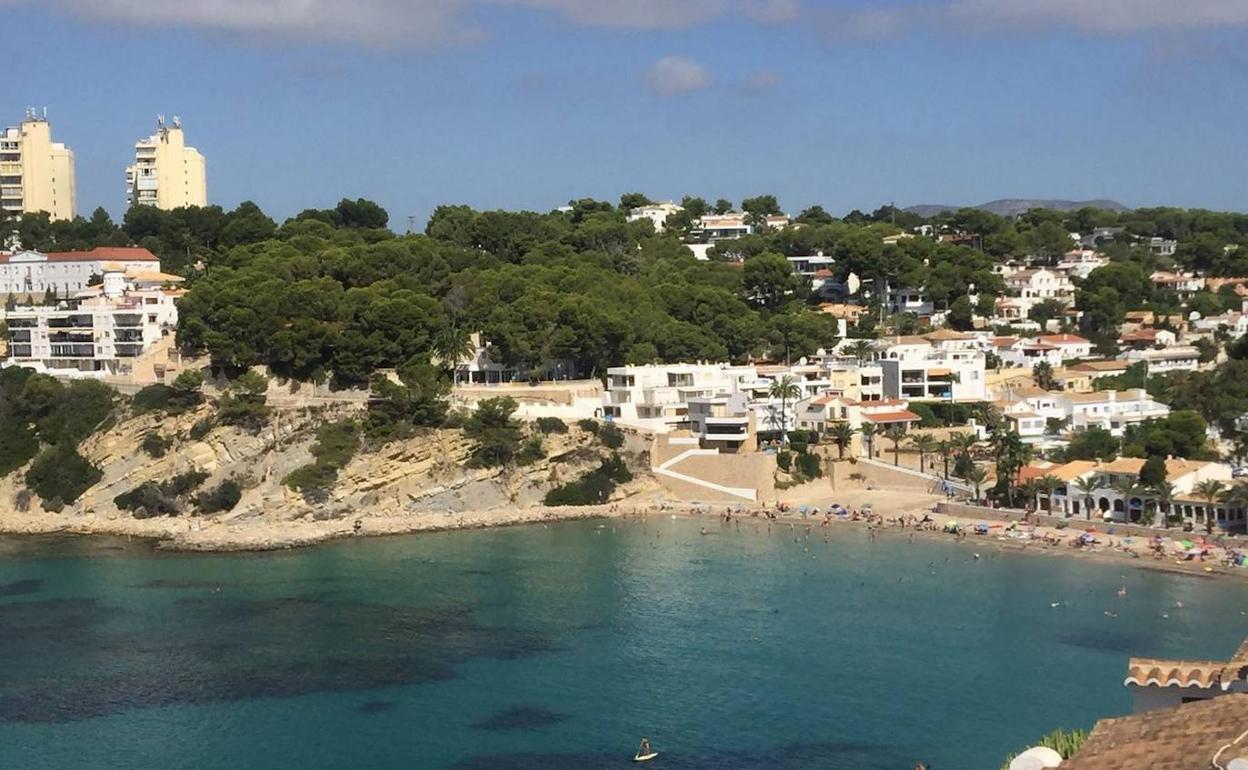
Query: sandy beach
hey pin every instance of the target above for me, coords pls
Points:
(890, 509)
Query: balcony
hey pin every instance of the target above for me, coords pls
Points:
(129, 335)
(19, 335)
(72, 337)
(23, 323)
(128, 350)
(73, 351)
(128, 319)
(19, 351)
(72, 322)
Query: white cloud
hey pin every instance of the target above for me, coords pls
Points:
(405, 23)
(1101, 17)
(673, 75)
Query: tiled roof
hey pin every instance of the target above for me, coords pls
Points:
(1063, 339)
(891, 417)
(1101, 366)
(946, 335)
(1186, 737)
(126, 253)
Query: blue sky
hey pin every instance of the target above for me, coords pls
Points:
(529, 103)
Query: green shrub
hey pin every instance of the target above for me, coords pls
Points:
(809, 466)
(611, 436)
(153, 398)
(589, 426)
(18, 444)
(202, 428)
(246, 411)
(155, 445)
(530, 451)
(222, 497)
(336, 443)
(152, 498)
(551, 425)
(496, 434)
(148, 500)
(784, 460)
(594, 488)
(60, 472)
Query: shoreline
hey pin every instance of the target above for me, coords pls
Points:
(256, 535)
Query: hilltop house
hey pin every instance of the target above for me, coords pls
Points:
(1109, 409)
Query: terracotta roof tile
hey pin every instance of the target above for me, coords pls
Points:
(1186, 737)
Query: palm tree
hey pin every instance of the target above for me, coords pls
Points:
(895, 433)
(1163, 494)
(963, 443)
(1127, 487)
(1235, 496)
(1087, 486)
(976, 477)
(944, 447)
(1047, 485)
(924, 445)
(1209, 490)
(869, 432)
(842, 435)
(1030, 493)
(784, 388)
(861, 350)
(452, 346)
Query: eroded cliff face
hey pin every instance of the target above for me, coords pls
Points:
(425, 473)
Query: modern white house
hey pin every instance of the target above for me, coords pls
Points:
(100, 330)
(657, 213)
(656, 397)
(721, 227)
(1081, 262)
(1110, 410)
(726, 422)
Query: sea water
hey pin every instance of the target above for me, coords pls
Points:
(560, 646)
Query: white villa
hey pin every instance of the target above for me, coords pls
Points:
(67, 272)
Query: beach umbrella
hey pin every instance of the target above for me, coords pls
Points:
(1187, 544)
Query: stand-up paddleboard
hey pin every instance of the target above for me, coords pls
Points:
(645, 757)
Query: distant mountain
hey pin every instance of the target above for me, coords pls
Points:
(1010, 207)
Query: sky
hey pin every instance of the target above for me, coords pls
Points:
(527, 104)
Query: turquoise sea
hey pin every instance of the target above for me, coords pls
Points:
(560, 646)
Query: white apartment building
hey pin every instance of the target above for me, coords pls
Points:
(821, 413)
(166, 173)
(1110, 410)
(36, 174)
(915, 370)
(656, 397)
(101, 330)
(657, 213)
(1181, 358)
(67, 272)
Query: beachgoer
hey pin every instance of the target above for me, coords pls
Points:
(645, 748)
